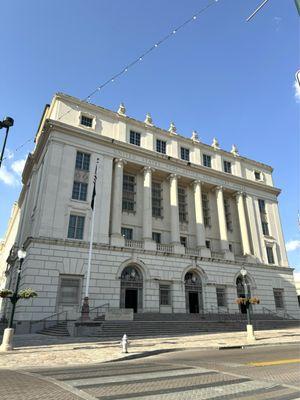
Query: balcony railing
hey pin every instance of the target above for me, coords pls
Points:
(134, 244)
(165, 248)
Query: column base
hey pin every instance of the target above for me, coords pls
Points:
(250, 333)
(117, 239)
(149, 244)
(178, 248)
(7, 341)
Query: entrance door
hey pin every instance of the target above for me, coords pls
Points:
(131, 299)
(194, 302)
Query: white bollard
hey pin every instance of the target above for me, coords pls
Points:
(7, 341)
(124, 343)
(250, 333)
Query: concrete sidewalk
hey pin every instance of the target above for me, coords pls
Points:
(45, 351)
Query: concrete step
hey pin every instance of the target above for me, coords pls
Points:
(59, 329)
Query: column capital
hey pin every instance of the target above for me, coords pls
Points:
(147, 169)
(239, 194)
(120, 161)
(174, 176)
(218, 188)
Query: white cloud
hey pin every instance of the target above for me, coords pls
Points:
(7, 177)
(297, 91)
(293, 245)
(18, 166)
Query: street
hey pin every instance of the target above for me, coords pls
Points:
(263, 372)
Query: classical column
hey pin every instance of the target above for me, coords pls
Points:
(149, 244)
(243, 224)
(175, 233)
(222, 222)
(116, 211)
(199, 220)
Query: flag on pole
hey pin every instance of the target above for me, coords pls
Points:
(297, 2)
(94, 189)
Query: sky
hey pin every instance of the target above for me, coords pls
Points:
(222, 76)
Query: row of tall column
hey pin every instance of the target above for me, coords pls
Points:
(117, 239)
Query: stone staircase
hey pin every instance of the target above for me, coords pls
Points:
(59, 329)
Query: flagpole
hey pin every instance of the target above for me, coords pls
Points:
(85, 310)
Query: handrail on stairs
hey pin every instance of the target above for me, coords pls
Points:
(50, 318)
(99, 309)
(284, 313)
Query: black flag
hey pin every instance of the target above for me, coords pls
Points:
(94, 189)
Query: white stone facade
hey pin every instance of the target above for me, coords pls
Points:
(212, 243)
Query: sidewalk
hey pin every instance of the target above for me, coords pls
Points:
(46, 351)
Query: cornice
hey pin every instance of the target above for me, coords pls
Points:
(152, 128)
(154, 156)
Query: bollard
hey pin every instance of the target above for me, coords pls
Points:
(124, 343)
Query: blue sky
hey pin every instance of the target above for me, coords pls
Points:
(220, 76)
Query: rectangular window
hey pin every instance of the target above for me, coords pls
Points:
(270, 255)
(221, 296)
(183, 241)
(206, 210)
(228, 214)
(79, 191)
(156, 236)
(263, 216)
(230, 246)
(135, 138)
(76, 225)
(165, 295)
(69, 290)
(278, 297)
(182, 204)
(265, 228)
(157, 200)
(262, 206)
(257, 175)
(207, 160)
(207, 244)
(161, 146)
(185, 154)
(128, 200)
(86, 121)
(127, 233)
(227, 167)
(82, 161)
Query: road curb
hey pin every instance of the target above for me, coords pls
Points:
(243, 346)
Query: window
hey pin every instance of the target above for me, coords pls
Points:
(79, 191)
(76, 225)
(207, 244)
(207, 160)
(221, 296)
(82, 161)
(128, 201)
(263, 216)
(262, 206)
(69, 291)
(278, 297)
(183, 241)
(135, 138)
(161, 146)
(257, 175)
(230, 247)
(86, 121)
(227, 167)
(182, 205)
(165, 295)
(227, 214)
(270, 255)
(156, 236)
(157, 200)
(265, 228)
(205, 209)
(127, 233)
(185, 154)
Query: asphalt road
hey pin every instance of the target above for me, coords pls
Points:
(265, 372)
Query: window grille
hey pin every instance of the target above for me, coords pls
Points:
(228, 214)
(156, 236)
(165, 295)
(206, 210)
(157, 200)
(227, 167)
(207, 160)
(270, 255)
(135, 138)
(76, 225)
(82, 161)
(221, 296)
(127, 233)
(185, 154)
(79, 191)
(182, 204)
(161, 146)
(128, 201)
(86, 121)
(69, 291)
(278, 297)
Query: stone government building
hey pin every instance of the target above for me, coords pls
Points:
(175, 220)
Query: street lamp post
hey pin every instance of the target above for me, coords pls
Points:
(250, 330)
(7, 341)
(6, 123)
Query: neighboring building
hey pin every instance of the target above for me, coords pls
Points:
(297, 284)
(175, 219)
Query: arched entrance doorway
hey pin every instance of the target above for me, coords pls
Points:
(193, 292)
(131, 288)
(240, 289)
